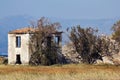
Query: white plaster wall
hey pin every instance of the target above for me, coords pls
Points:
(11, 49)
(23, 50)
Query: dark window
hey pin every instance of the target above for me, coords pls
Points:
(49, 41)
(57, 40)
(18, 41)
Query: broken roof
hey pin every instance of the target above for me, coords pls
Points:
(23, 31)
(29, 30)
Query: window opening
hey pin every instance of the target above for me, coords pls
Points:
(57, 40)
(18, 41)
(49, 41)
(18, 59)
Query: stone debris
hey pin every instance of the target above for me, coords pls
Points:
(72, 56)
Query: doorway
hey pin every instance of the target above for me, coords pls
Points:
(18, 59)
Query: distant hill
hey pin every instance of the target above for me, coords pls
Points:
(15, 22)
(103, 25)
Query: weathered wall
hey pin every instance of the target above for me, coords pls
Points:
(23, 50)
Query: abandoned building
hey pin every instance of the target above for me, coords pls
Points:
(18, 45)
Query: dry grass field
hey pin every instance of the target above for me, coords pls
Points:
(60, 72)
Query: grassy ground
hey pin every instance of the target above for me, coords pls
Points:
(58, 72)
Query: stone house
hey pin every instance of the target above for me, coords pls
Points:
(18, 45)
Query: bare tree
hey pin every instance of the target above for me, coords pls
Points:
(86, 43)
(40, 43)
(90, 46)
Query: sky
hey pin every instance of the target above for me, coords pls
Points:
(60, 9)
(67, 9)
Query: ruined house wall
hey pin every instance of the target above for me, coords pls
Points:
(23, 51)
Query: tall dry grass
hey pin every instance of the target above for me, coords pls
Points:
(57, 72)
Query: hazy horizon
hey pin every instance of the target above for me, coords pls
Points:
(17, 22)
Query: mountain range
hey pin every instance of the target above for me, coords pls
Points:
(15, 22)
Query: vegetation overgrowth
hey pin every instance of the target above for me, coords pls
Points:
(60, 72)
(42, 45)
(87, 42)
